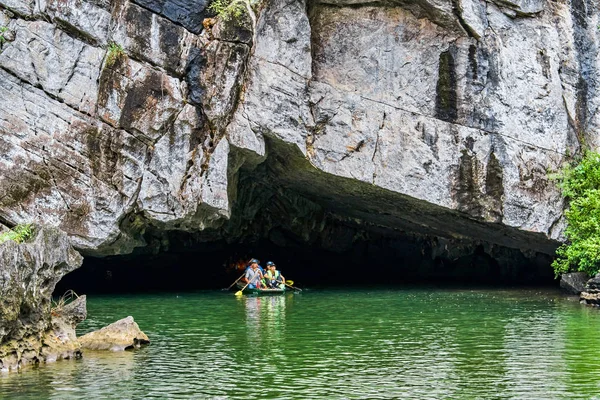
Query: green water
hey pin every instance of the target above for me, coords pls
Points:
(380, 343)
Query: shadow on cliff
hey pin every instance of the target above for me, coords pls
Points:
(323, 231)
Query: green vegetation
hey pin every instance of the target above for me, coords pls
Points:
(115, 51)
(580, 184)
(19, 233)
(228, 9)
(3, 30)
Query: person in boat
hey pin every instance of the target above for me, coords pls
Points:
(253, 276)
(273, 277)
(254, 260)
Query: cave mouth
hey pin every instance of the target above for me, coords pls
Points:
(381, 261)
(321, 231)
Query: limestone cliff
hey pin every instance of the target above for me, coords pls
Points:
(128, 118)
(29, 333)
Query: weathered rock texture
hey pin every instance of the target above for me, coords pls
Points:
(118, 336)
(591, 292)
(574, 282)
(441, 118)
(28, 274)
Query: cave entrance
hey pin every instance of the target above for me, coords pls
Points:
(322, 231)
(373, 259)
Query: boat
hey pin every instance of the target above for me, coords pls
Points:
(257, 291)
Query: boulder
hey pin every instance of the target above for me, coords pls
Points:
(573, 282)
(121, 335)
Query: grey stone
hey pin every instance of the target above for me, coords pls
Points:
(138, 99)
(591, 292)
(28, 274)
(185, 183)
(118, 336)
(574, 282)
(77, 173)
(74, 311)
(218, 87)
(526, 8)
(473, 14)
(152, 38)
(26, 8)
(189, 14)
(86, 19)
(279, 72)
(44, 56)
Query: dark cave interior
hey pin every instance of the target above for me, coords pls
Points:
(323, 231)
(379, 261)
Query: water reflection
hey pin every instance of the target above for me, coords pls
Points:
(268, 311)
(265, 322)
(411, 344)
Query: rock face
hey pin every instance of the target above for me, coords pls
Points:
(28, 274)
(591, 293)
(441, 118)
(60, 341)
(574, 282)
(118, 336)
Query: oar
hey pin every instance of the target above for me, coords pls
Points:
(239, 292)
(290, 286)
(289, 282)
(236, 281)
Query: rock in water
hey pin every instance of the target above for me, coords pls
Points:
(591, 293)
(28, 274)
(574, 282)
(118, 336)
(60, 341)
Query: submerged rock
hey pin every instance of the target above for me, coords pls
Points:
(28, 274)
(121, 335)
(574, 282)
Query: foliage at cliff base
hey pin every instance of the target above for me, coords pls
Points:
(580, 184)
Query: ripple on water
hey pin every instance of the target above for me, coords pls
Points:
(336, 344)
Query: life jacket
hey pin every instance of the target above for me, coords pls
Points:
(270, 276)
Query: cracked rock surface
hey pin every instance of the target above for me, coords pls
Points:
(432, 116)
(29, 333)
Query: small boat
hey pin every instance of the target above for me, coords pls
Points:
(259, 292)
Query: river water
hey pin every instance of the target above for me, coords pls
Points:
(370, 343)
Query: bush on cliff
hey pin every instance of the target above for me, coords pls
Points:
(3, 30)
(228, 9)
(19, 233)
(113, 53)
(580, 184)
(234, 9)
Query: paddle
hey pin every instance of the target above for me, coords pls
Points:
(239, 292)
(290, 286)
(236, 281)
(289, 282)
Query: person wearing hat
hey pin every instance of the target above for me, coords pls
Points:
(254, 260)
(273, 278)
(254, 275)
